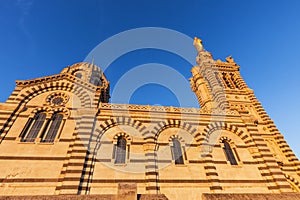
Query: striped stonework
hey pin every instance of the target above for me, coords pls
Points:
(228, 146)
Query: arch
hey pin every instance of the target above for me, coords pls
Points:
(104, 126)
(87, 70)
(211, 133)
(65, 86)
(179, 138)
(50, 110)
(46, 109)
(108, 124)
(124, 135)
(77, 72)
(65, 111)
(224, 126)
(76, 67)
(171, 123)
(113, 122)
(295, 185)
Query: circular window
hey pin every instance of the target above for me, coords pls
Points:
(57, 99)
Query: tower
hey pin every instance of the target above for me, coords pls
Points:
(220, 88)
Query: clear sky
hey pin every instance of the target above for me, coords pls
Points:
(41, 37)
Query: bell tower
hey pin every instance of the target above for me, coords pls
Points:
(220, 89)
(218, 85)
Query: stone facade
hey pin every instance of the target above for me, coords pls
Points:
(60, 136)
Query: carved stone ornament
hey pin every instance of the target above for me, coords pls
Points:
(230, 59)
(57, 99)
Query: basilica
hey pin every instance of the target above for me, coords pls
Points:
(60, 138)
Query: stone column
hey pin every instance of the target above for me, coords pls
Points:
(151, 172)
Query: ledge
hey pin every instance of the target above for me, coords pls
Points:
(282, 196)
(85, 197)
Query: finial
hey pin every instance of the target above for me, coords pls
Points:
(198, 44)
(230, 59)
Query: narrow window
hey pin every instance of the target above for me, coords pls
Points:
(120, 150)
(54, 128)
(177, 152)
(229, 153)
(234, 80)
(26, 128)
(33, 127)
(227, 81)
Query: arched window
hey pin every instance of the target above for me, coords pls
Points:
(234, 80)
(229, 153)
(177, 152)
(55, 123)
(33, 127)
(227, 81)
(120, 150)
(78, 75)
(95, 80)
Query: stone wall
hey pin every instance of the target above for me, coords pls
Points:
(85, 197)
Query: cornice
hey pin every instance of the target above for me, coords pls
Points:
(57, 77)
(166, 109)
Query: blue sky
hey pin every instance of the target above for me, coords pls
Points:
(41, 37)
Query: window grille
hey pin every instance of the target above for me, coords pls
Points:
(54, 128)
(177, 152)
(38, 122)
(229, 153)
(120, 151)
